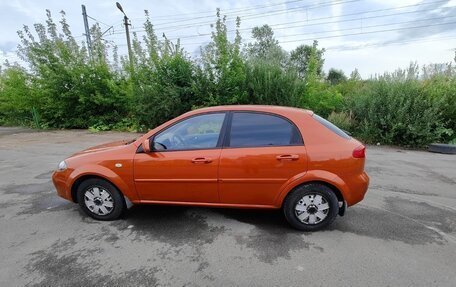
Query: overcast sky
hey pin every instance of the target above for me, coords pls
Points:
(371, 35)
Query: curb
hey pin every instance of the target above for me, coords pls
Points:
(442, 148)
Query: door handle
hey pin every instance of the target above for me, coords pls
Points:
(287, 157)
(201, 160)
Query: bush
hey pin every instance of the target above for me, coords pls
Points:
(268, 84)
(343, 120)
(164, 92)
(16, 97)
(66, 87)
(400, 112)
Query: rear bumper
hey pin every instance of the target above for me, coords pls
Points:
(357, 186)
(60, 181)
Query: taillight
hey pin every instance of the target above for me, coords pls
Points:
(359, 152)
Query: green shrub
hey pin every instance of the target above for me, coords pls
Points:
(393, 111)
(16, 97)
(65, 87)
(165, 92)
(343, 120)
(268, 84)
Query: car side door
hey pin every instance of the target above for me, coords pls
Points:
(183, 167)
(262, 152)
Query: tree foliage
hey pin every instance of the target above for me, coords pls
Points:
(221, 74)
(63, 87)
(335, 76)
(304, 55)
(68, 88)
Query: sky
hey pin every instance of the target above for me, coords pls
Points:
(373, 36)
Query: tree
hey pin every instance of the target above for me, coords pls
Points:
(163, 79)
(316, 95)
(336, 76)
(221, 75)
(16, 99)
(73, 91)
(355, 76)
(300, 57)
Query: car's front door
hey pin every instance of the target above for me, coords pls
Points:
(263, 151)
(185, 166)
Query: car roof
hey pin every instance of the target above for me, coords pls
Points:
(258, 108)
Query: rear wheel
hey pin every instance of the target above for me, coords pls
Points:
(100, 199)
(311, 207)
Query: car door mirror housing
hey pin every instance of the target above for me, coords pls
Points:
(146, 146)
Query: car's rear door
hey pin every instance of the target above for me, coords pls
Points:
(186, 167)
(262, 152)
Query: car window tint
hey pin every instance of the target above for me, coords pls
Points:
(332, 127)
(256, 129)
(197, 132)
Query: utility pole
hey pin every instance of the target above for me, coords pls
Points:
(127, 31)
(87, 32)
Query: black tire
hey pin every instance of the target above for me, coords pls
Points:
(309, 190)
(116, 198)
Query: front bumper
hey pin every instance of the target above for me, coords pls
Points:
(60, 181)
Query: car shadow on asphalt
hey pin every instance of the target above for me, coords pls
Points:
(152, 215)
(360, 220)
(265, 231)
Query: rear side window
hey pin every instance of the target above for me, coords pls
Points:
(257, 129)
(331, 127)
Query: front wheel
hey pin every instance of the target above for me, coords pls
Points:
(311, 207)
(100, 199)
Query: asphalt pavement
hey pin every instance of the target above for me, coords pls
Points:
(402, 234)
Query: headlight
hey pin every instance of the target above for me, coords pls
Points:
(62, 165)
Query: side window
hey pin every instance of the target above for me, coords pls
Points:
(256, 129)
(198, 132)
(332, 127)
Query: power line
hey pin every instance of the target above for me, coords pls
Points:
(322, 23)
(361, 13)
(371, 26)
(349, 34)
(320, 18)
(370, 32)
(344, 20)
(347, 48)
(96, 20)
(372, 45)
(255, 15)
(228, 11)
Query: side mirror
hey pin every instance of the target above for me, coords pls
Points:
(146, 146)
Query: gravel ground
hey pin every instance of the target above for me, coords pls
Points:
(402, 234)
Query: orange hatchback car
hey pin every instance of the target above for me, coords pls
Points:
(228, 156)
